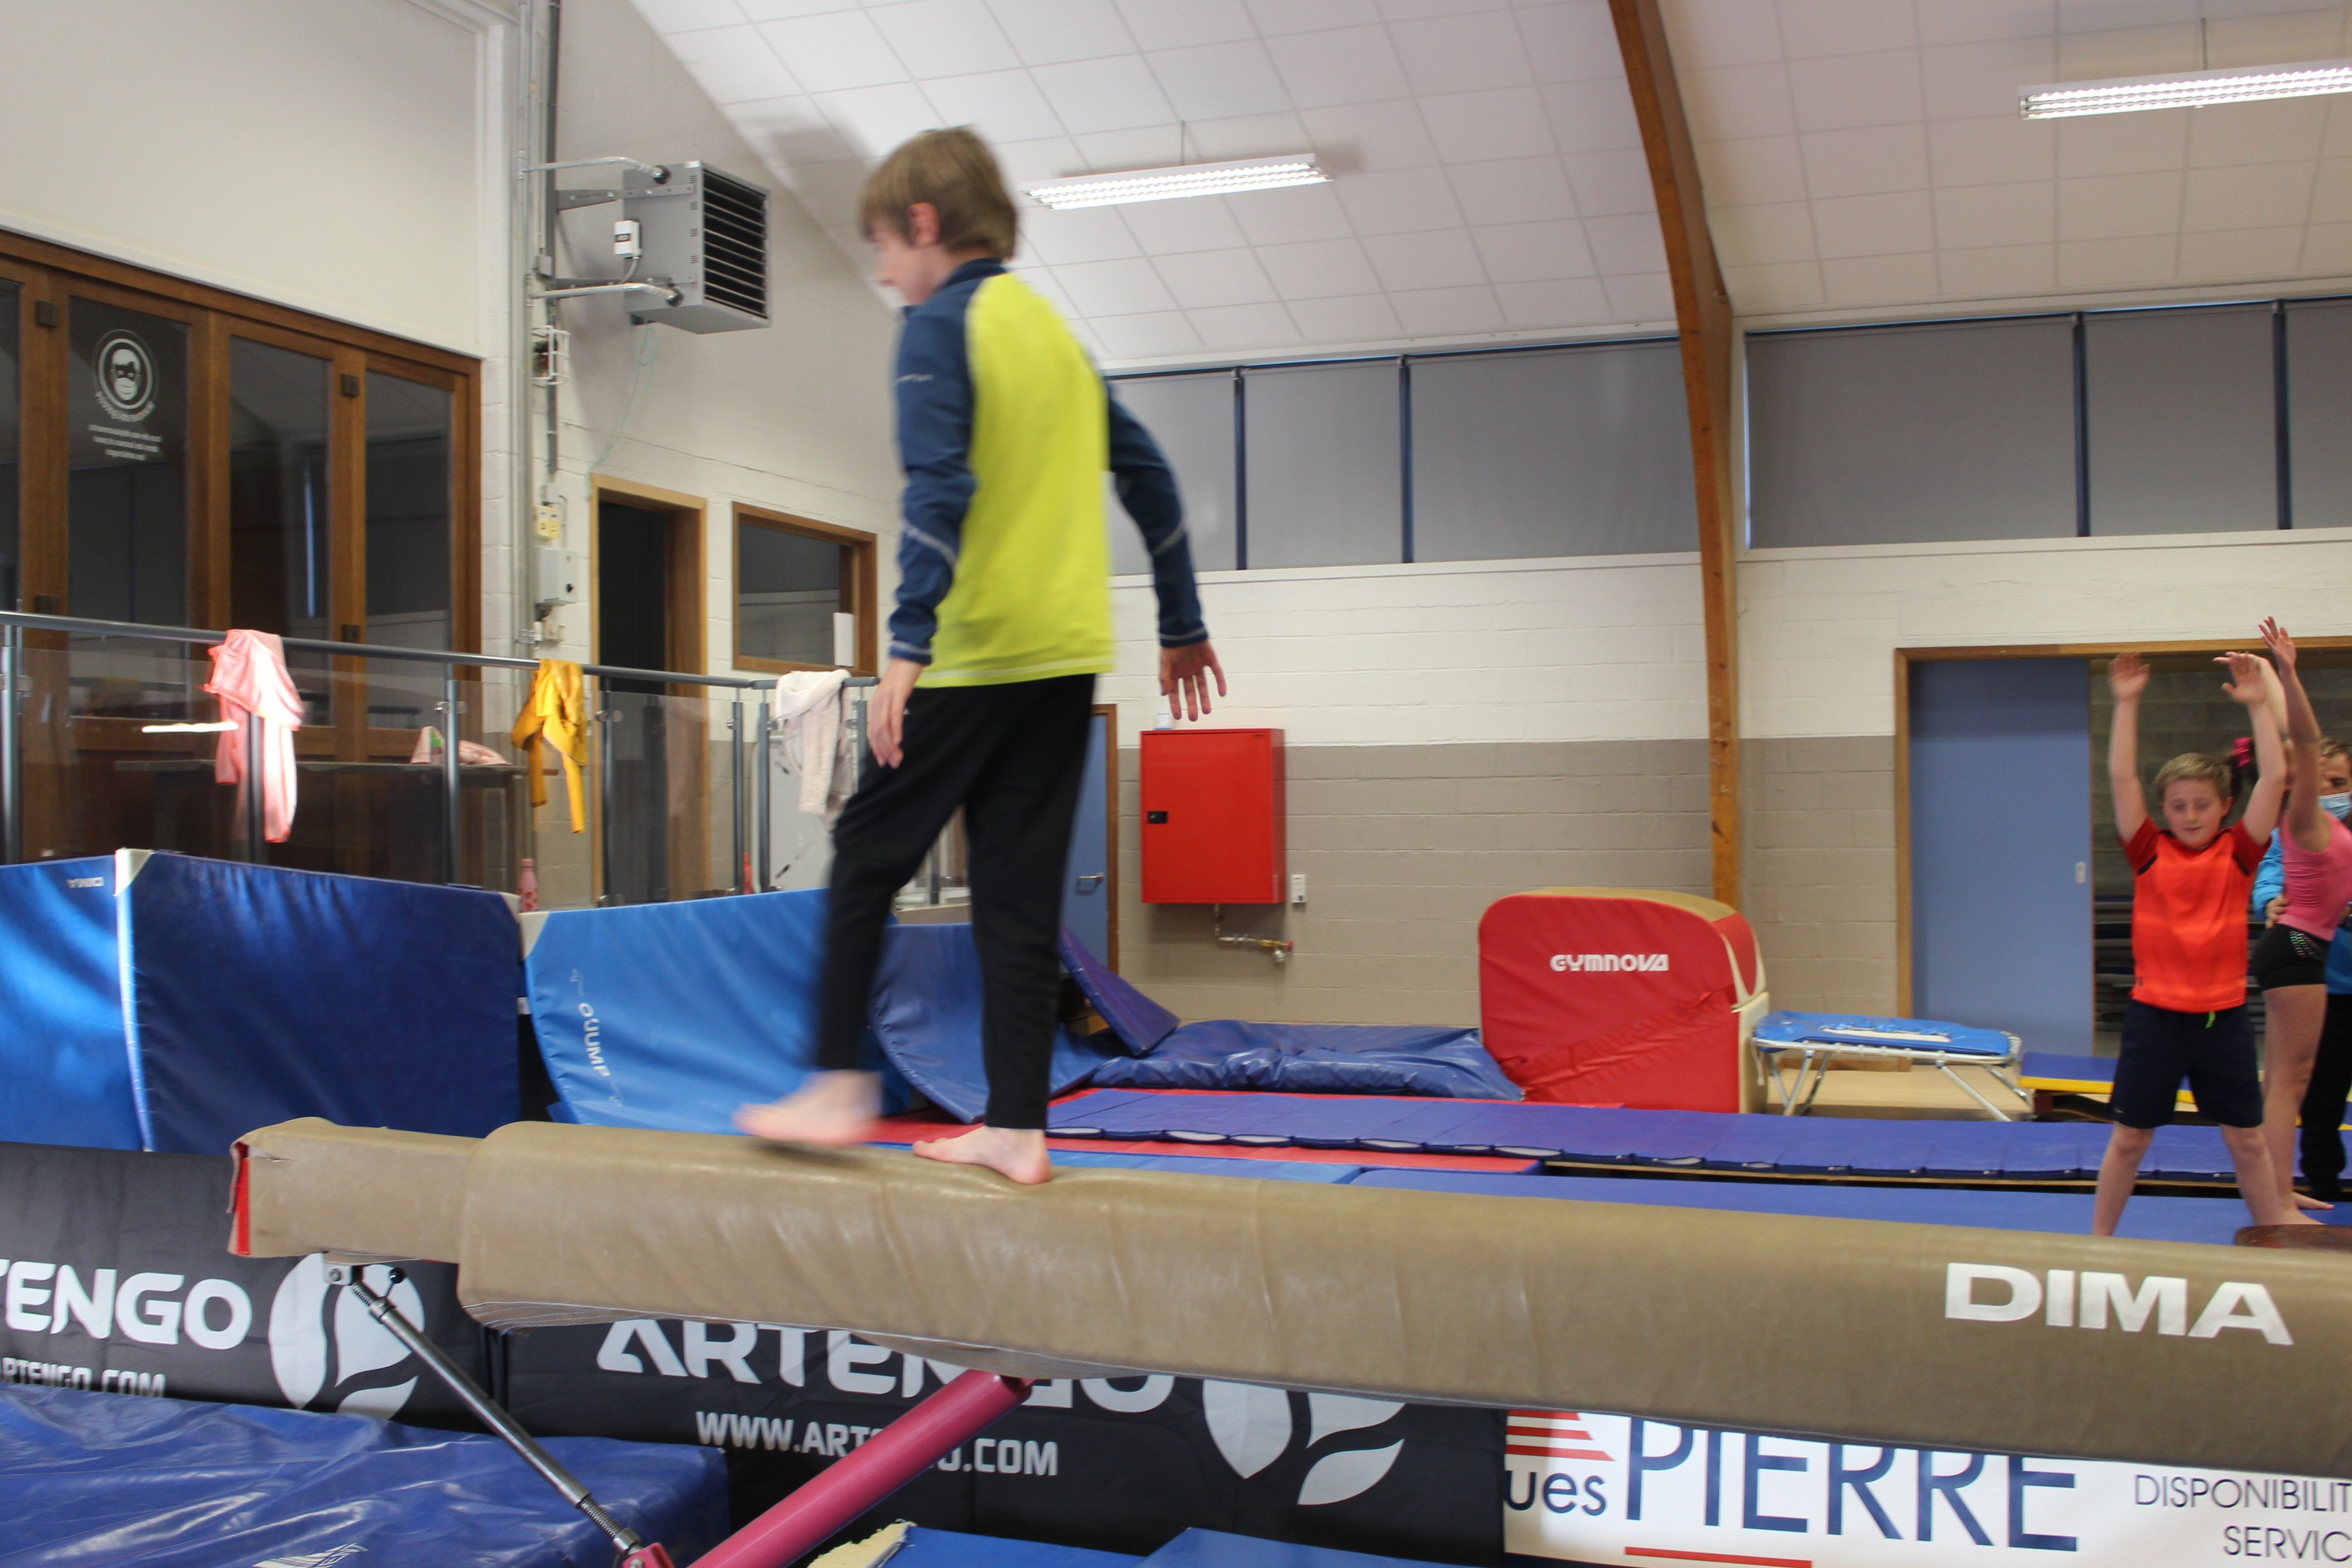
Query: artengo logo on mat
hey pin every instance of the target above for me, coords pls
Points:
(1992, 1293)
(1607, 962)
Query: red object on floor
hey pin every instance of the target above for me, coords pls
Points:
(1646, 999)
(884, 1462)
(897, 1131)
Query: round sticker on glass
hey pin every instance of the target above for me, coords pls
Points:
(126, 376)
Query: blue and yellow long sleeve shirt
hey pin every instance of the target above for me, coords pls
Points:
(1005, 429)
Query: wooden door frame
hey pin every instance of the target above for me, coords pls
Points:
(862, 590)
(2094, 652)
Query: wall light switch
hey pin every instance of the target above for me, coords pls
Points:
(1298, 887)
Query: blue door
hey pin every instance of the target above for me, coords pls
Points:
(1086, 895)
(2000, 847)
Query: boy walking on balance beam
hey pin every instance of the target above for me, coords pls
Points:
(1004, 621)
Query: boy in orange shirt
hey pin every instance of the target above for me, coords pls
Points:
(2187, 1016)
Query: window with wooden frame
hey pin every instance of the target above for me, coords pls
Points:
(176, 455)
(793, 578)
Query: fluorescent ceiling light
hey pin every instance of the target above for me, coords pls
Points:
(1181, 180)
(2187, 90)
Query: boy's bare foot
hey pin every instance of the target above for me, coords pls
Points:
(2296, 1217)
(832, 1109)
(1015, 1153)
(2304, 1201)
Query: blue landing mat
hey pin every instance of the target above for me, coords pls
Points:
(2212, 1220)
(1201, 1165)
(1215, 1548)
(1790, 1146)
(927, 1547)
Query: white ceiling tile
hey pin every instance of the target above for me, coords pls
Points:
(1048, 32)
(1877, 279)
(786, 132)
(1762, 290)
(1150, 336)
(1738, 101)
(1374, 135)
(2123, 143)
(1641, 296)
(839, 49)
(2116, 263)
(945, 37)
(1442, 259)
(1571, 42)
(1209, 278)
(1626, 245)
(1003, 106)
(1610, 183)
(1448, 312)
(1974, 21)
(1220, 81)
(775, 10)
(2117, 206)
(2256, 132)
(1994, 150)
(1114, 288)
(1139, 147)
(2327, 247)
(1469, 126)
(1976, 217)
(734, 65)
(1592, 116)
(1320, 268)
(1034, 161)
(1814, 28)
(2260, 195)
(2339, 141)
(1232, 329)
(2331, 191)
(1705, 33)
(2240, 253)
(2275, 33)
(1559, 302)
(1084, 234)
(1751, 170)
(1966, 81)
(1157, 25)
(1399, 201)
(686, 15)
(1999, 269)
(1463, 54)
(1356, 318)
(873, 119)
(1345, 65)
(1763, 235)
(1247, 136)
(1195, 223)
(1275, 17)
(1406, 10)
(2085, 56)
(1514, 190)
(1288, 217)
(1863, 163)
(1116, 94)
(1897, 223)
(1857, 90)
(829, 192)
(1534, 252)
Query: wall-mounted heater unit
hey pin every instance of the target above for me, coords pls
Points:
(702, 241)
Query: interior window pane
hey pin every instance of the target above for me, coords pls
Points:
(1877, 434)
(1324, 477)
(278, 538)
(2319, 413)
(788, 588)
(2183, 436)
(409, 521)
(11, 442)
(1578, 452)
(127, 450)
(1192, 417)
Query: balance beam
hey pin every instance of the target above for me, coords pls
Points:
(1925, 1336)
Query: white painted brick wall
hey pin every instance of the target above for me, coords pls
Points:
(1818, 626)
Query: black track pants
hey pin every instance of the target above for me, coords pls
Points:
(2323, 1102)
(1012, 757)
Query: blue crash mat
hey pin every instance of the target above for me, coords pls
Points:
(1216, 1549)
(1891, 1034)
(1804, 1147)
(2212, 1220)
(927, 1015)
(105, 1478)
(1139, 1023)
(927, 1547)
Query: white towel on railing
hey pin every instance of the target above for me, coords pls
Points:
(813, 707)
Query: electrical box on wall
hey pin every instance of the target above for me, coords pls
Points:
(558, 577)
(1214, 811)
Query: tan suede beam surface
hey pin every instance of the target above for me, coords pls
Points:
(1830, 1327)
(313, 1186)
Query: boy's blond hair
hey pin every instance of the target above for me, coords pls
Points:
(954, 171)
(2198, 767)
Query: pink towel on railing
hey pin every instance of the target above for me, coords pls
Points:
(251, 679)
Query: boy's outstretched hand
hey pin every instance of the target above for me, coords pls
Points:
(2246, 683)
(2127, 677)
(2280, 644)
(1184, 675)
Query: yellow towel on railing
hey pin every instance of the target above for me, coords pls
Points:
(557, 713)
